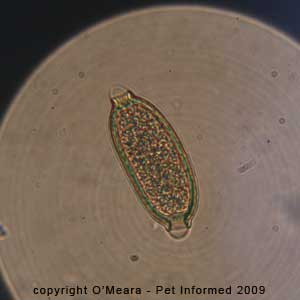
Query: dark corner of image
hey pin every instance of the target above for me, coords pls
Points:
(5, 294)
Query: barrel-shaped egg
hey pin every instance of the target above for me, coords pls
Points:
(155, 161)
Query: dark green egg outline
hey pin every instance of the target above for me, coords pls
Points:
(194, 191)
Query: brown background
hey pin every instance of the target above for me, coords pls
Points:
(229, 87)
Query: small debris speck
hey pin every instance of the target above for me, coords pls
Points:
(274, 73)
(55, 91)
(247, 166)
(134, 258)
(3, 232)
(281, 120)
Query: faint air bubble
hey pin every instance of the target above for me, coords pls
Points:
(3, 232)
(275, 228)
